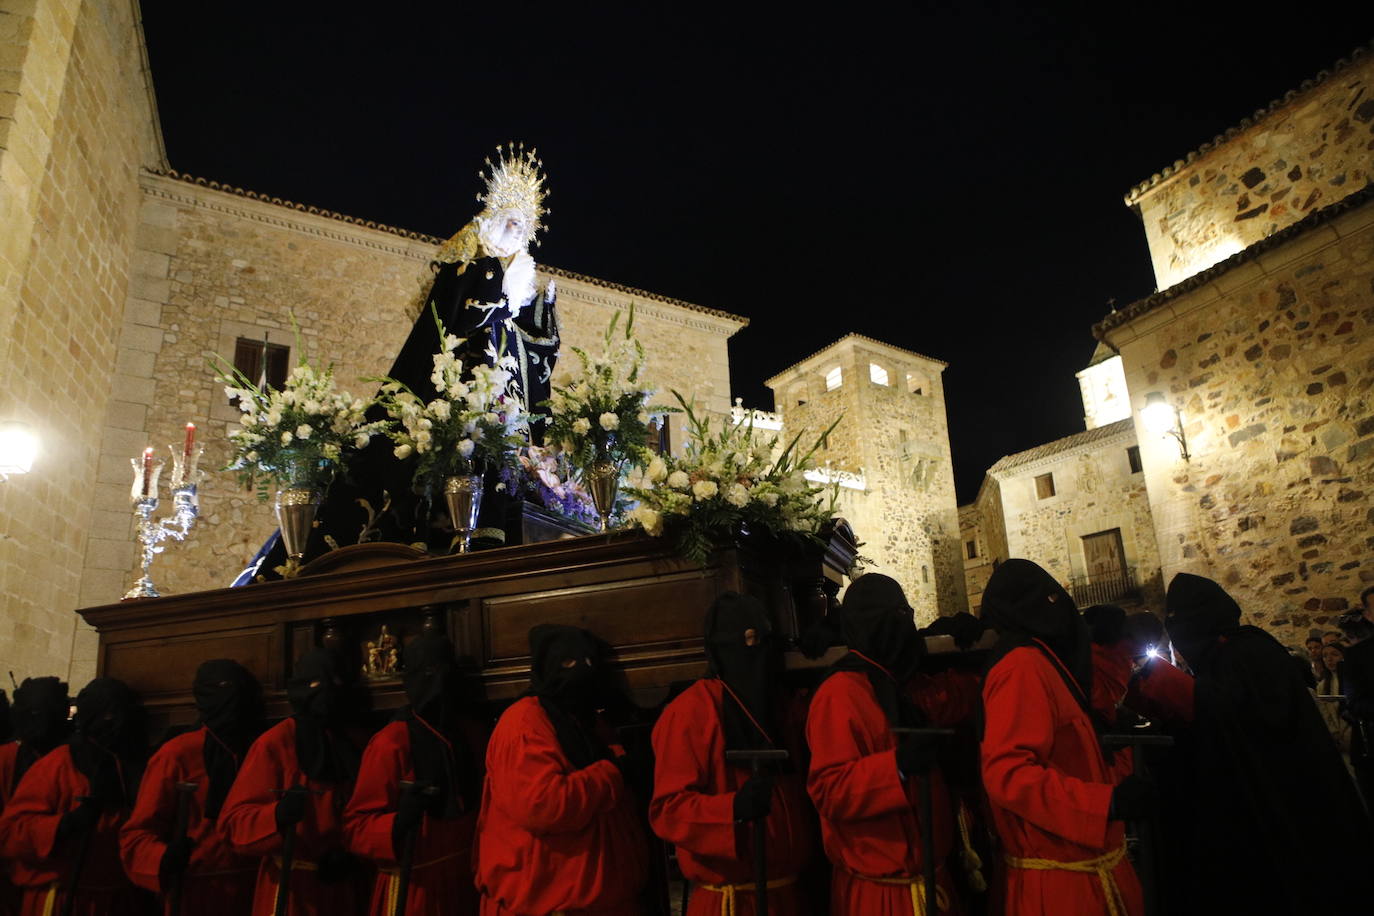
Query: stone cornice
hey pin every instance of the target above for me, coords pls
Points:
(1089, 444)
(285, 214)
(1163, 176)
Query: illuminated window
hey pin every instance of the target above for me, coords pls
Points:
(833, 379)
(877, 374)
(914, 383)
(1044, 486)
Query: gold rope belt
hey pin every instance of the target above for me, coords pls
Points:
(393, 884)
(728, 891)
(1102, 866)
(918, 891)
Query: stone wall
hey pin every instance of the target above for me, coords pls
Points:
(973, 528)
(214, 265)
(1271, 362)
(76, 123)
(1308, 151)
(907, 517)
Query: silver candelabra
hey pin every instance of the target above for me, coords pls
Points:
(185, 505)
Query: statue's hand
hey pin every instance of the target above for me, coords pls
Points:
(549, 292)
(518, 283)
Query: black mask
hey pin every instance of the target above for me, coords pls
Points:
(564, 676)
(430, 678)
(41, 707)
(229, 700)
(749, 671)
(318, 693)
(879, 628)
(1199, 612)
(1025, 604)
(109, 743)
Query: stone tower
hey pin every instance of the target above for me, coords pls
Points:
(890, 453)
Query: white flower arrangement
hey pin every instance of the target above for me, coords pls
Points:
(476, 422)
(726, 483)
(296, 436)
(603, 412)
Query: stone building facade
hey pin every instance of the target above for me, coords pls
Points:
(1077, 505)
(1268, 357)
(77, 122)
(893, 435)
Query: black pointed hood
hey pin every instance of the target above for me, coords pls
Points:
(748, 671)
(1028, 606)
(1198, 612)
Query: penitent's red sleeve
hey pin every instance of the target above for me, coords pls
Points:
(683, 810)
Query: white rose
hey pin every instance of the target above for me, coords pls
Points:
(737, 495)
(311, 406)
(402, 451)
(581, 426)
(286, 437)
(441, 408)
(360, 440)
(465, 448)
(768, 499)
(273, 417)
(609, 421)
(303, 431)
(331, 451)
(492, 419)
(704, 489)
(679, 480)
(657, 470)
(425, 423)
(648, 519)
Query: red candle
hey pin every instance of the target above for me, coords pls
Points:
(190, 445)
(147, 470)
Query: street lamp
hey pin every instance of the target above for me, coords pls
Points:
(1164, 419)
(18, 445)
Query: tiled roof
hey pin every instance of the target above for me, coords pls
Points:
(1312, 220)
(1139, 190)
(435, 240)
(867, 339)
(1060, 446)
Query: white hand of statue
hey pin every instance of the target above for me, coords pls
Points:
(549, 293)
(518, 283)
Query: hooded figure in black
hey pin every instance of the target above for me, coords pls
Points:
(880, 630)
(742, 653)
(229, 700)
(39, 713)
(320, 699)
(439, 748)
(1028, 607)
(109, 743)
(565, 676)
(1268, 776)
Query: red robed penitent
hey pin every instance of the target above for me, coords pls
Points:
(441, 878)
(28, 838)
(869, 822)
(552, 838)
(218, 881)
(1049, 791)
(249, 820)
(693, 808)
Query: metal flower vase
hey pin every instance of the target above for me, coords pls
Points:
(464, 498)
(603, 482)
(296, 507)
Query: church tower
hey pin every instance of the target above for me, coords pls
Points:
(890, 454)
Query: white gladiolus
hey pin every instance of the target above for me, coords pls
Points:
(704, 489)
(465, 448)
(581, 426)
(679, 480)
(303, 431)
(609, 421)
(737, 495)
(402, 451)
(657, 469)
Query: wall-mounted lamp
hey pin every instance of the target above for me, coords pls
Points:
(18, 446)
(1163, 418)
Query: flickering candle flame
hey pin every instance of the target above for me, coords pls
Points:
(147, 470)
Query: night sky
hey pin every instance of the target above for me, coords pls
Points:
(947, 180)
